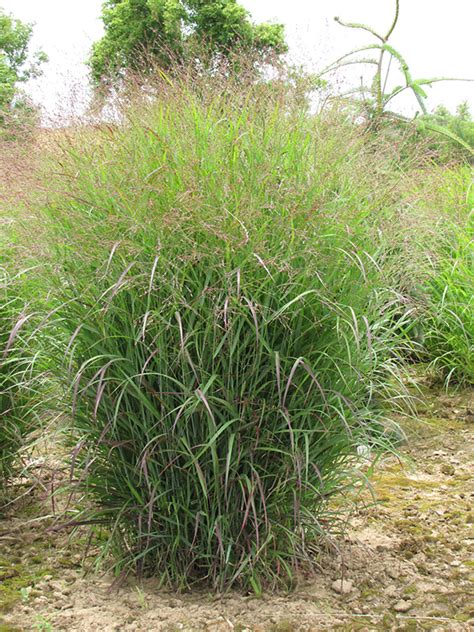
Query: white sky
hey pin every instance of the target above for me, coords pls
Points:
(434, 36)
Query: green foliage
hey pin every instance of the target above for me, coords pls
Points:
(376, 98)
(449, 320)
(457, 130)
(16, 65)
(140, 32)
(230, 334)
(18, 385)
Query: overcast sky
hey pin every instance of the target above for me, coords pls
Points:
(435, 37)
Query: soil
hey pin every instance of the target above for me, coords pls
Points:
(403, 565)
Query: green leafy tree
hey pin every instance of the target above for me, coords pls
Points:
(17, 65)
(166, 30)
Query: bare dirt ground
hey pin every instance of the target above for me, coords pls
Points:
(404, 564)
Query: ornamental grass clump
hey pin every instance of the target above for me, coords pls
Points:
(19, 381)
(449, 319)
(230, 338)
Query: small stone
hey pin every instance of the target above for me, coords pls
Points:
(448, 469)
(392, 591)
(393, 572)
(342, 586)
(402, 606)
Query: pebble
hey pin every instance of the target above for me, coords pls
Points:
(402, 606)
(343, 587)
(448, 469)
(394, 573)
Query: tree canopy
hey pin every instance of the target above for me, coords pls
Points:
(163, 30)
(16, 63)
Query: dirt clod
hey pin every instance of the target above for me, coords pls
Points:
(342, 586)
(402, 606)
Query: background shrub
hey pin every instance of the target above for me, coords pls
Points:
(449, 321)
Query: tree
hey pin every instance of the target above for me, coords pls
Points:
(16, 63)
(166, 30)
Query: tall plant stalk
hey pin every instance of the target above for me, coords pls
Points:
(377, 98)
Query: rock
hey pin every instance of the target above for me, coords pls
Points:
(448, 469)
(402, 606)
(382, 547)
(392, 591)
(174, 603)
(342, 586)
(393, 572)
